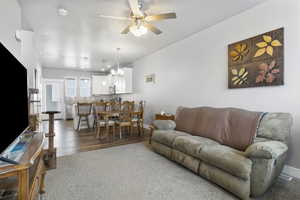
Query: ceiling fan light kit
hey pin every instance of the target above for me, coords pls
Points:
(138, 30)
(140, 20)
(62, 12)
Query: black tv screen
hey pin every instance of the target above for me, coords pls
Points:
(14, 109)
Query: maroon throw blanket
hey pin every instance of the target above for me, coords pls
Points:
(229, 126)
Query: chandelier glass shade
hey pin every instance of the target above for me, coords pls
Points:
(118, 71)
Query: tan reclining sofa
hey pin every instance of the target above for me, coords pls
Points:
(239, 150)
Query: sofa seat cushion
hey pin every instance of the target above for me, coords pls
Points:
(164, 124)
(191, 145)
(227, 159)
(167, 137)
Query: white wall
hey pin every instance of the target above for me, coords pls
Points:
(29, 56)
(193, 72)
(58, 73)
(10, 20)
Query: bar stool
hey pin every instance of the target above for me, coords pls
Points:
(83, 112)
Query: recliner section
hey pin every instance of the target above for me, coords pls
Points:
(220, 164)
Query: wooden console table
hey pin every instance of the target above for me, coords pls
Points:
(30, 172)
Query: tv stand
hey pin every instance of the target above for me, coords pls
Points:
(26, 177)
(8, 161)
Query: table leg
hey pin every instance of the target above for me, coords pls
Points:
(23, 185)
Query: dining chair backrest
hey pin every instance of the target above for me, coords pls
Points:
(125, 116)
(113, 106)
(84, 108)
(99, 109)
(127, 106)
(141, 108)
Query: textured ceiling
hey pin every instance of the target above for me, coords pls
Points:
(82, 40)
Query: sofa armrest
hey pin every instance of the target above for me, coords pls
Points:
(266, 150)
(164, 124)
(161, 125)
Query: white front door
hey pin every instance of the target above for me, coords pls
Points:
(53, 97)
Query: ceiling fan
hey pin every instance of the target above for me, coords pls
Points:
(140, 20)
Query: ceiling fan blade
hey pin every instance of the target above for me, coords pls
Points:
(134, 5)
(126, 30)
(153, 28)
(160, 17)
(114, 17)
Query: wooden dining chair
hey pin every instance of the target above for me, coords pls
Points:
(127, 106)
(113, 107)
(84, 111)
(100, 120)
(125, 117)
(138, 117)
(112, 116)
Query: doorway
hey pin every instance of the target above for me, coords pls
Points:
(53, 97)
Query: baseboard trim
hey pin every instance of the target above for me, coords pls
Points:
(291, 171)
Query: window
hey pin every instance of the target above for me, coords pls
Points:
(85, 87)
(71, 87)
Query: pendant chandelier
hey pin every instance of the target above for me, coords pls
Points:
(119, 71)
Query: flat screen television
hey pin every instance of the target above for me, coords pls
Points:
(15, 118)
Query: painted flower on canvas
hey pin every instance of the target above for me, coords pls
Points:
(239, 77)
(239, 52)
(267, 73)
(267, 46)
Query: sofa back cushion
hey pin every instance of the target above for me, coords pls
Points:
(229, 126)
(275, 126)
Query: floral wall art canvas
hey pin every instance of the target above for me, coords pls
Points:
(257, 61)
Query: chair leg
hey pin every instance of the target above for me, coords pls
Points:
(114, 131)
(107, 132)
(94, 124)
(120, 131)
(98, 132)
(109, 135)
(87, 121)
(139, 128)
(79, 121)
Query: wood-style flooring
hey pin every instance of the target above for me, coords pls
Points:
(68, 141)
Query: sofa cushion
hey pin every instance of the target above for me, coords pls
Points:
(266, 150)
(186, 160)
(260, 139)
(164, 124)
(191, 145)
(166, 137)
(162, 149)
(229, 126)
(237, 186)
(227, 159)
(275, 126)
